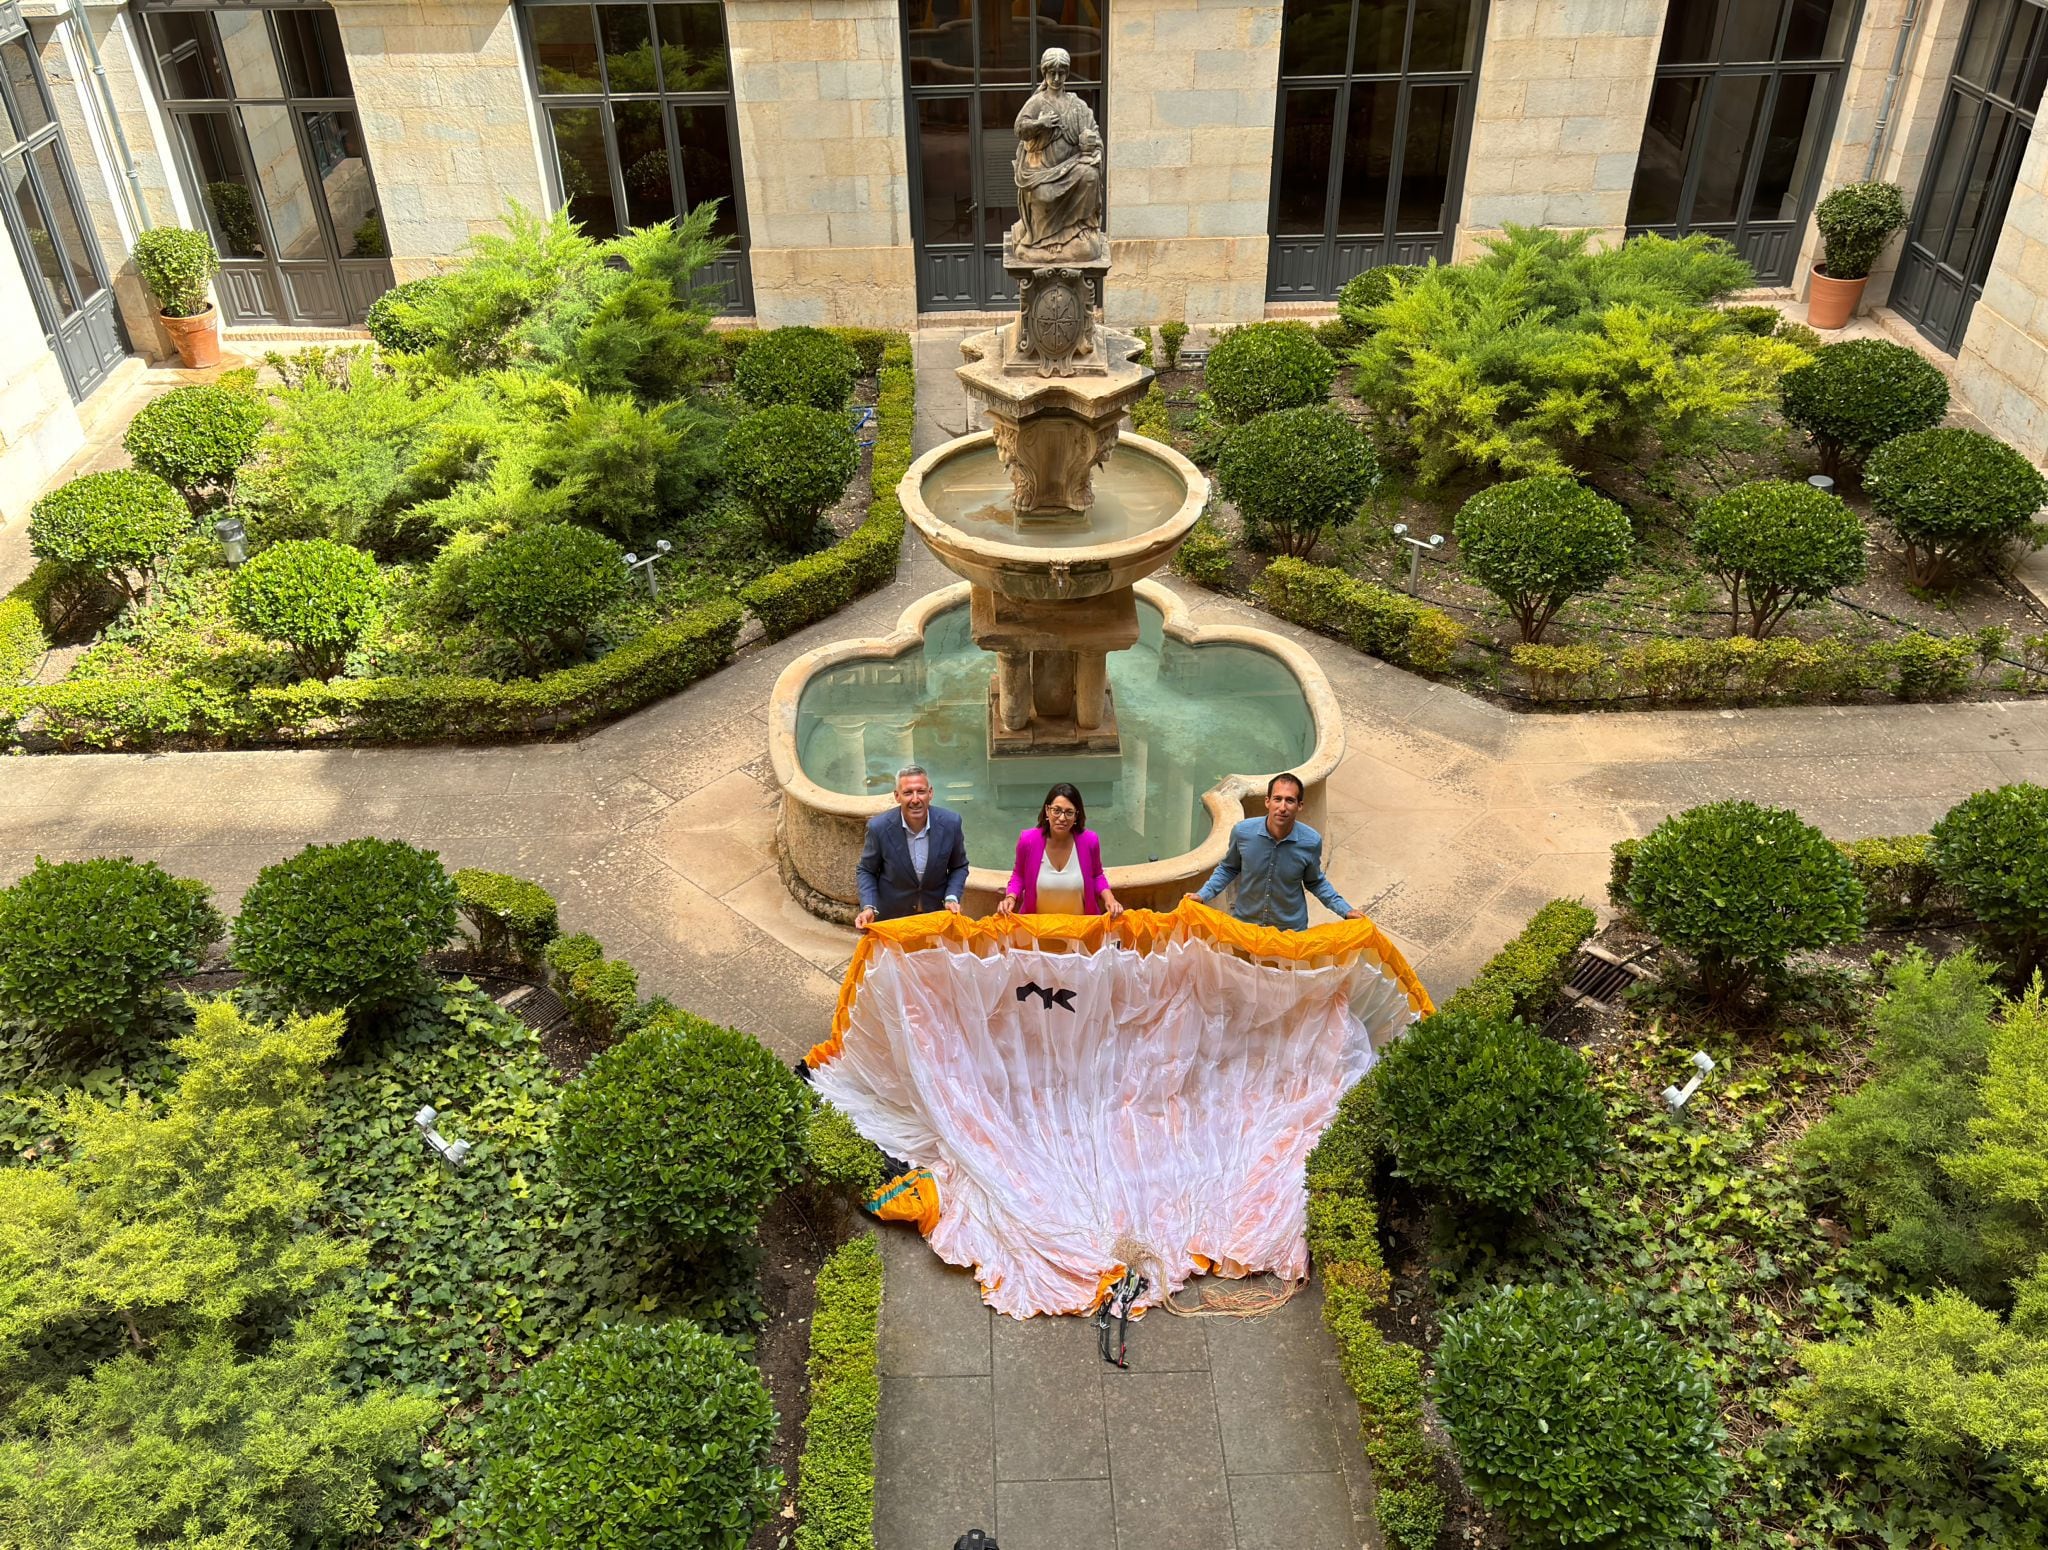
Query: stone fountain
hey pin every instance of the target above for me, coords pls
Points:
(1057, 659)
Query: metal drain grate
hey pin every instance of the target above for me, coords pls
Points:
(1598, 978)
(534, 1006)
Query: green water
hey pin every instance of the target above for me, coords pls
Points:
(1133, 494)
(1189, 715)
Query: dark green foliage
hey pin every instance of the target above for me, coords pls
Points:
(345, 925)
(1855, 222)
(1578, 1422)
(177, 265)
(313, 594)
(1959, 498)
(118, 524)
(838, 1156)
(1262, 367)
(686, 1130)
(790, 463)
(1488, 1110)
(394, 319)
(1371, 288)
(835, 1484)
(1777, 546)
(1172, 335)
(1524, 977)
(1296, 473)
(514, 919)
(623, 468)
(1537, 543)
(1371, 618)
(1740, 888)
(626, 1438)
(195, 438)
(800, 365)
(1992, 848)
(639, 341)
(1204, 555)
(566, 954)
(1858, 394)
(543, 587)
(85, 946)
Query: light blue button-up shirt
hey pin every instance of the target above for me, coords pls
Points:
(1274, 877)
(920, 843)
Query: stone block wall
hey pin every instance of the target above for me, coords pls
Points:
(1193, 87)
(2002, 368)
(39, 428)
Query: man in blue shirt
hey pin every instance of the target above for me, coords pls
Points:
(1276, 861)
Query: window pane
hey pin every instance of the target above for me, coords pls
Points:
(1980, 50)
(1075, 27)
(941, 40)
(187, 54)
(704, 135)
(1426, 163)
(1979, 197)
(1727, 134)
(1789, 154)
(1752, 35)
(1819, 29)
(564, 48)
(1308, 119)
(42, 246)
(692, 47)
(245, 45)
(1315, 37)
(628, 48)
(2029, 98)
(1005, 42)
(944, 156)
(1377, 47)
(999, 112)
(28, 91)
(1443, 35)
(70, 230)
(343, 167)
(586, 178)
(2019, 50)
(1660, 168)
(1368, 157)
(223, 184)
(1945, 183)
(2006, 175)
(314, 64)
(643, 159)
(281, 175)
(1688, 33)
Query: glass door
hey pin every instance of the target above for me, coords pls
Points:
(39, 203)
(266, 121)
(1986, 120)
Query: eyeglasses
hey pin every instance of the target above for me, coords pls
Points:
(1061, 812)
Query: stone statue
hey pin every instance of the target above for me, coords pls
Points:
(1059, 175)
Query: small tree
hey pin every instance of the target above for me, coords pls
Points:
(1537, 543)
(118, 524)
(623, 468)
(641, 342)
(790, 463)
(313, 594)
(1741, 888)
(542, 587)
(1957, 497)
(1777, 546)
(797, 365)
(1856, 395)
(1992, 847)
(1295, 473)
(1855, 223)
(196, 438)
(1172, 335)
(1262, 367)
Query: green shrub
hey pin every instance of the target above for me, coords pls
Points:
(1537, 543)
(1740, 888)
(195, 438)
(626, 1438)
(177, 265)
(624, 468)
(313, 594)
(1959, 499)
(1858, 394)
(118, 524)
(601, 993)
(790, 463)
(1777, 546)
(1150, 417)
(513, 918)
(543, 587)
(395, 322)
(1371, 288)
(837, 1155)
(1295, 473)
(835, 1481)
(1143, 334)
(1262, 367)
(1928, 667)
(639, 341)
(1578, 1421)
(1489, 1110)
(1524, 977)
(1204, 555)
(346, 925)
(1855, 222)
(1992, 848)
(803, 366)
(1371, 618)
(23, 640)
(1900, 884)
(566, 954)
(685, 1130)
(85, 946)
(1172, 335)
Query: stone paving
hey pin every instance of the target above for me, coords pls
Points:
(1450, 819)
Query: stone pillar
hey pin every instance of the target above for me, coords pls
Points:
(2002, 368)
(1014, 689)
(1189, 125)
(1091, 688)
(1564, 88)
(819, 90)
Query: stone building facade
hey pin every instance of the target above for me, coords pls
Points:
(1260, 152)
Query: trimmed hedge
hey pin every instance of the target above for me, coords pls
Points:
(513, 918)
(835, 1477)
(1901, 888)
(1742, 670)
(1369, 618)
(23, 639)
(1524, 977)
(835, 1154)
(1204, 555)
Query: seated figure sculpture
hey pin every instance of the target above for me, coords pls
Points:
(1059, 174)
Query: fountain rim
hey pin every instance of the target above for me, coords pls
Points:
(1225, 798)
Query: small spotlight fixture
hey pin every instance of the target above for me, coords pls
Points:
(234, 539)
(1417, 548)
(1820, 482)
(453, 1153)
(646, 566)
(1677, 1097)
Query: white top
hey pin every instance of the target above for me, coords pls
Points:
(1059, 888)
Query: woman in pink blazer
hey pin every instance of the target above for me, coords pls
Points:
(1059, 863)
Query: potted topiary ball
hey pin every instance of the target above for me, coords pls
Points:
(1855, 222)
(177, 265)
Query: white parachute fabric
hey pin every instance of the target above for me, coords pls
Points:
(1081, 1110)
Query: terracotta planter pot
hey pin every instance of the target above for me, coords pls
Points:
(1831, 302)
(197, 338)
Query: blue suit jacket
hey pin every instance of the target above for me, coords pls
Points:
(889, 887)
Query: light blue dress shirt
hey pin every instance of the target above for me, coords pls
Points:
(1274, 877)
(920, 843)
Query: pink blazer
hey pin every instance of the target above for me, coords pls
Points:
(1031, 852)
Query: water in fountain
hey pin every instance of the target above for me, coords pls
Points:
(1133, 495)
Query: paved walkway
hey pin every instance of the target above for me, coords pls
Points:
(1451, 818)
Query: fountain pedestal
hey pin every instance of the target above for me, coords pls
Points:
(1050, 691)
(1052, 433)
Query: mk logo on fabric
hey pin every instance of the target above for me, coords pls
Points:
(1047, 996)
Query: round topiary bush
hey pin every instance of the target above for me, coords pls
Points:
(1295, 473)
(1776, 546)
(1372, 288)
(1957, 497)
(797, 366)
(1856, 395)
(1579, 1421)
(1537, 543)
(345, 925)
(313, 594)
(117, 524)
(542, 587)
(1741, 888)
(1992, 848)
(1262, 367)
(85, 946)
(393, 322)
(686, 1130)
(196, 438)
(1855, 222)
(177, 264)
(1489, 1110)
(629, 1437)
(790, 464)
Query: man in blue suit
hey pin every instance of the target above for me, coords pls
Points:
(914, 859)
